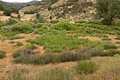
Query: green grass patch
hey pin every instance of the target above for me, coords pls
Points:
(86, 67)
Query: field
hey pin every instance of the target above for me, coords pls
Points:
(59, 50)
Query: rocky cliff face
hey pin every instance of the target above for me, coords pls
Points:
(67, 9)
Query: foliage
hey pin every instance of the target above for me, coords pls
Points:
(11, 21)
(40, 18)
(15, 74)
(54, 74)
(18, 16)
(110, 53)
(1, 24)
(108, 9)
(19, 44)
(22, 27)
(86, 67)
(63, 25)
(16, 54)
(2, 7)
(53, 1)
(30, 46)
(110, 46)
(51, 58)
(7, 12)
(2, 54)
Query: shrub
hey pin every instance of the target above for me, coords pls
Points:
(30, 46)
(86, 67)
(15, 74)
(11, 21)
(63, 25)
(22, 27)
(54, 74)
(39, 25)
(118, 38)
(50, 58)
(37, 16)
(18, 16)
(91, 52)
(110, 53)
(19, 44)
(16, 54)
(7, 12)
(81, 21)
(54, 21)
(2, 54)
(117, 55)
(40, 18)
(110, 46)
(26, 12)
(1, 24)
(106, 38)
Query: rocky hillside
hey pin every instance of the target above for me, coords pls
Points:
(67, 9)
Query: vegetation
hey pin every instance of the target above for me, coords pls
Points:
(108, 10)
(86, 67)
(54, 74)
(8, 12)
(22, 27)
(2, 54)
(19, 44)
(50, 58)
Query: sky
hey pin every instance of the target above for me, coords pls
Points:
(17, 0)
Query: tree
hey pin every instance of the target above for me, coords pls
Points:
(53, 1)
(1, 7)
(8, 12)
(107, 10)
(18, 16)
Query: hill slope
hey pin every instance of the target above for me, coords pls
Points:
(67, 9)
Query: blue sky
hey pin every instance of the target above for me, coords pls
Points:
(17, 0)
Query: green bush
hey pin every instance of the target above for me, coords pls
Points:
(81, 21)
(30, 46)
(63, 25)
(2, 54)
(39, 25)
(16, 54)
(54, 74)
(26, 12)
(22, 27)
(110, 46)
(86, 67)
(54, 21)
(110, 53)
(7, 12)
(19, 44)
(1, 24)
(40, 18)
(51, 58)
(11, 21)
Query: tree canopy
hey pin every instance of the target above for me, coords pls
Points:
(107, 10)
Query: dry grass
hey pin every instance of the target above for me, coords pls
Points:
(108, 67)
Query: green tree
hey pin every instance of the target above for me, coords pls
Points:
(18, 16)
(53, 1)
(1, 7)
(8, 12)
(107, 10)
